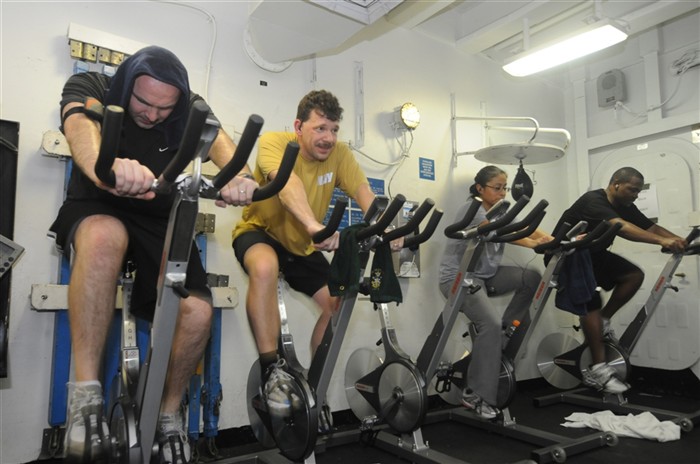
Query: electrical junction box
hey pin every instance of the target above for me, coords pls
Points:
(407, 262)
(611, 88)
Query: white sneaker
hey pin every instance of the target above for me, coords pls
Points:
(278, 391)
(87, 433)
(472, 401)
(603, 377)
(608, 332)
(173, 442)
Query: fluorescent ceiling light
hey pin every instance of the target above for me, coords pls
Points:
(592, 39)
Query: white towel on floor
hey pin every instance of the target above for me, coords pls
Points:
(644, 425)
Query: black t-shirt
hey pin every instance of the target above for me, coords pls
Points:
(148, 146)
(594, 207)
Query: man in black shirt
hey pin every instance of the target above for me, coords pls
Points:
(614, 204)
(103, 225)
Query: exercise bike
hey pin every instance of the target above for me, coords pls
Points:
(564, 370)
(137, 395)
(563, 244)
(296, 435)
(393, 390)
(373, 398)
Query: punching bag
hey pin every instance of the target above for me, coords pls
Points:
(522, 185)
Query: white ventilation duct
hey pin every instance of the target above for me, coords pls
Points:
(279, 32)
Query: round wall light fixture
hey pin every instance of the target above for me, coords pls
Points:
(407, 116)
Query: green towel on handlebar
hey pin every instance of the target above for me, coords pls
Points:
(384, 286)
(344, 274)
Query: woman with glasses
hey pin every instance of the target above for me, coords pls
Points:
(495, 279)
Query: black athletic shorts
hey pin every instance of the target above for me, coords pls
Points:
(607, 268)
(305, 274)
(146, 241)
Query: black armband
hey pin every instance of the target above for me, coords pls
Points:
(92, 108)
(71, 112)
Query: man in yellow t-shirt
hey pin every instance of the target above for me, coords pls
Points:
(275, 234)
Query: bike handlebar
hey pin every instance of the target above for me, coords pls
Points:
(411, 224)
(245, 145)
(506, 218)
(694, 233)
(109, 145)
(196, 121)
(455, 230)
(333, 222)
(383, 222)
(188, 145)
(555, 242)
(413, 241)
(283, 173)
(532, 224)
(601, 232)
(611, 230)
(526, 221)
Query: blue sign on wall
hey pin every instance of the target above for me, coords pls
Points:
(426, 168)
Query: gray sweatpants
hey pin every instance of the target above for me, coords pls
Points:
(485, 364)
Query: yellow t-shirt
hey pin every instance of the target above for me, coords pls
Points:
(340, 169)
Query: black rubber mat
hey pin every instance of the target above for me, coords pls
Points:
(667, 390)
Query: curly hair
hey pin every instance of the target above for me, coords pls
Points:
(322, 101)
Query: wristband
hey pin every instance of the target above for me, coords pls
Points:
(245, 175)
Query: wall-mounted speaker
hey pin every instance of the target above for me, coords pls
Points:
(611, 88)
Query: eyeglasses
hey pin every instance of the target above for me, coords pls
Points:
(500, 188)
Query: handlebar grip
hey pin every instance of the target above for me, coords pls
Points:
(694, 233)
(333, 222)
(693, 249)
(606, 234)
(601, 232)
(413, 241)
(111, 130)
(520, 232)
(691, 236)
(380, 203)
(555, 242)
(383, 222)
(452, 231)
(283, 173)
(242, 152)
(532, 216)
(506, 218)
(188, 144)
(413, 223)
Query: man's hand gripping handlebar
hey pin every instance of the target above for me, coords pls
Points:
(198, 136)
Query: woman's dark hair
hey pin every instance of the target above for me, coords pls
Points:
(484, 175)
(322, 101)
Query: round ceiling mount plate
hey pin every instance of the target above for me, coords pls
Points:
(527, 153)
